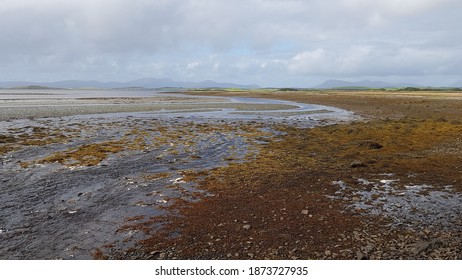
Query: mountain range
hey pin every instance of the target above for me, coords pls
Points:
(153, 83)
(149, 83)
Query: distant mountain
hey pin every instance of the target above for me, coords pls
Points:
(151, 83)
(332, 84)
(35, 87)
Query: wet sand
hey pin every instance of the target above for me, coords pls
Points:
(147, 186)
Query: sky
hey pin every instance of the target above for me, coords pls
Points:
(272, 43)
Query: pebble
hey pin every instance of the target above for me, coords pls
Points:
(420, 247)
(357, 163)
(246, 227)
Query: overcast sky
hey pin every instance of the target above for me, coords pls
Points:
(265, 42)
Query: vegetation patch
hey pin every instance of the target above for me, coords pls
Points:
(86, 155)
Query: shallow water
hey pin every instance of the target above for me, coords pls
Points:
(82, 207)
(58, 103)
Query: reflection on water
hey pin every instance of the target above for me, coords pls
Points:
(18, 104)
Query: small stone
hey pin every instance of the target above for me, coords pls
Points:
(162, 256)
(372, 145)
(246, 227)
(361, 256)
(357, 163)
(305, 212)
(274, 252)
(420, 247)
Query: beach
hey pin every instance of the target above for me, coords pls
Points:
(367, 175)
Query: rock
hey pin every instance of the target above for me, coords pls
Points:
(274, 252)
(246, 227)
(357, 164)
(420, 247)
(361, 256)
(162, 256)
(369, 248)
(305, 212)
(368, 144)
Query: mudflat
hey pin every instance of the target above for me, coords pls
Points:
(385, 184)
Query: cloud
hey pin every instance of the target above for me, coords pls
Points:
(241, 40)
(366, 60)
(351, 61)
